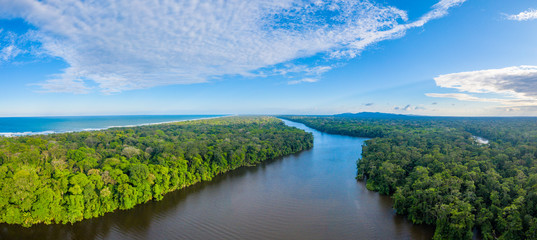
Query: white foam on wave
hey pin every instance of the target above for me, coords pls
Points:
(14, 134)
(17, 134)
(91, 129)
(157, 123)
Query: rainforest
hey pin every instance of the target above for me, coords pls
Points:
(438, 173)
(68, 177)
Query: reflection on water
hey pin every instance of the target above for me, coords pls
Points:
(309, 195)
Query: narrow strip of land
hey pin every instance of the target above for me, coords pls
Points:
(64, 178)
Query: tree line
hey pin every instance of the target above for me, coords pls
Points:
(68, 177)
(438, 174)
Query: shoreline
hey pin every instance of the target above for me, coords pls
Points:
(47, 132)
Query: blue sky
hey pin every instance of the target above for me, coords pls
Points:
(433, 57)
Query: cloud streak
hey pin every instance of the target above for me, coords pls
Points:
(304, 80)
(516, 86)
(133, 44)
(530, 14)
(408, 107)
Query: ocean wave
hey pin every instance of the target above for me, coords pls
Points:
(157, 123)
(90, 129)
(14, 134)
(28, 133)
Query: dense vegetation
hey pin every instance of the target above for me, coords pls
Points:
(64, 178)
(438, 174)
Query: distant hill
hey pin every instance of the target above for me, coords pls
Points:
(377, 115)
(380, 115)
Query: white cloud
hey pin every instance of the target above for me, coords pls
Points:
(132, 44)
(530, 14)
(292, 69)
(517, 86)
(304, 80)
(458, 96)
(8, 46)
(9, 52)
(408, 107)
(512, 109)
(439, 10)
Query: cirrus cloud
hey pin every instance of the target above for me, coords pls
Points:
(9, 46)
(132, 44)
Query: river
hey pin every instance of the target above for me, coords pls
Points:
(308, 195)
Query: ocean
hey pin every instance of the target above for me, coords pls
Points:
(18, 126)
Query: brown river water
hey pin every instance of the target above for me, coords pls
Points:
(309, 195)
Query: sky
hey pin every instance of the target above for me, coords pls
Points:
(429, 57)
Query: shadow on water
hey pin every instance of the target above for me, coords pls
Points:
(307, 195)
